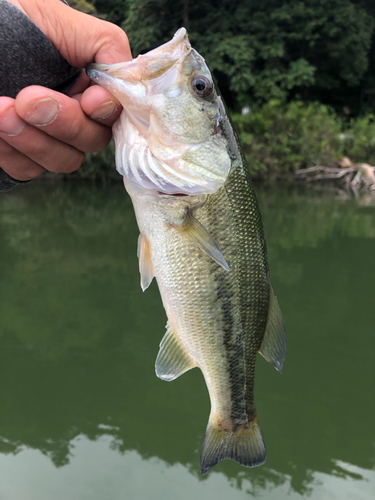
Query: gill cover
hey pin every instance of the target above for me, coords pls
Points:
(169, 137)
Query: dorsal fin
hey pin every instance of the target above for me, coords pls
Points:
(273, 347)
(194, 230)
(146, 268)
(172, 361)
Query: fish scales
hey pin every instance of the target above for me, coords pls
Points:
(252, 270)
(246, 247)
(201, 237)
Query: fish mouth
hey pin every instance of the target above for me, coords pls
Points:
(173, 195)
(145, 67)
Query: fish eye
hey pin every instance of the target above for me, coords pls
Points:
(201, 86)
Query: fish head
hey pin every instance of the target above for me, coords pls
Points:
(169, 137)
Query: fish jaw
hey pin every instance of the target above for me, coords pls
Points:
(128, 80)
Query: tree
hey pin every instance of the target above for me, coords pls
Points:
(317, 49)
(114, 11)
(83, 5)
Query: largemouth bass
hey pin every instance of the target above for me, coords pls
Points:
(201, 237)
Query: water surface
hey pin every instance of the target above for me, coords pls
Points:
(82, 414)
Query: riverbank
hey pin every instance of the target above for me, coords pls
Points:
(347, 175)
(282, 138)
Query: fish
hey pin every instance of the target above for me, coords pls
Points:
(201, 236)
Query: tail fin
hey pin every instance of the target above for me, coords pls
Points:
(244, 444)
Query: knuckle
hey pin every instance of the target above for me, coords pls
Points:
(36, 150)
(73, 163)
(113, 35)
(5, 151)
(101, 141)
(16, 164)
(73, 130)
(31, 170)
(118, 33)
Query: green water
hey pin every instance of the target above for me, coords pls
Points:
(82, 414)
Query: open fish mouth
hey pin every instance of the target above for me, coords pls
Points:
(145, 67)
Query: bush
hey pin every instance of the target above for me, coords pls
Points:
(281, 138)
(358, 141)
(98, 167)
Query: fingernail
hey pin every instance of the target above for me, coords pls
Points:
(104, 110)
(10, 123)
(44, 112)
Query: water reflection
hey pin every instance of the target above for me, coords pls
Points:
(78, 341)
(98, 472)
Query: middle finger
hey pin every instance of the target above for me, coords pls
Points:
(42, 149)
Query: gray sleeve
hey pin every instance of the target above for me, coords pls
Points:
(28, 58)
(7, 182)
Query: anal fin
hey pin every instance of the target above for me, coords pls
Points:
(172, 361)
(145, 263)
(273, 347)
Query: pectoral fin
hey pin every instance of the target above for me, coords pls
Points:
(273, 347)
(145, 263)
(172, 360)
(194, 230)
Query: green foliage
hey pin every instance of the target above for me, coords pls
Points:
(99, 167)
(265, 50)
(83, 5)
(144, 25)
(279, 138)
(114, 11)
(358, 141)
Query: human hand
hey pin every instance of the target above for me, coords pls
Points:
(45, 130)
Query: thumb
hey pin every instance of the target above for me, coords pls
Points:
(78, 37)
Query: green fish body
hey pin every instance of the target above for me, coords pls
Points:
(201, 237)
